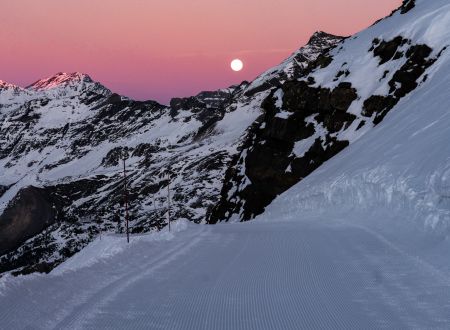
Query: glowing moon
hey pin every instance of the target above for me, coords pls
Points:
(237, 65)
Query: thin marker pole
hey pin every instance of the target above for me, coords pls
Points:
(168, 200)
(126, 199)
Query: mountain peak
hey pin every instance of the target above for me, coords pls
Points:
(319, 37)
(5, 85)
(10, 90)
(60, 79)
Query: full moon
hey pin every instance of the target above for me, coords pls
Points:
(237, 65)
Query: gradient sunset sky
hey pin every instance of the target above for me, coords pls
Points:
(158, 49)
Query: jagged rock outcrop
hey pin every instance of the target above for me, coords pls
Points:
(312, 55)
(407, 5)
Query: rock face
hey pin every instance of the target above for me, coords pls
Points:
(405, 79)
(272, 162)
(223, 155)
(3, 189)
(27, 215)
(407, 5)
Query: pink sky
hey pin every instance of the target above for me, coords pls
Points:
(158, 49)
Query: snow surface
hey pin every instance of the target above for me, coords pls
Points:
(303, 274)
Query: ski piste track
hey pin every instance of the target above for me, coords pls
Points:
(308, 274)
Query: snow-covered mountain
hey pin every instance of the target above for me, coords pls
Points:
(228, 153)
(62, 142)
(397, 175)
(330, 103)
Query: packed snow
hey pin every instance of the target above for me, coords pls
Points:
(302, 273)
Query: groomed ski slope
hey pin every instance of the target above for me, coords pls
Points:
(305, 274)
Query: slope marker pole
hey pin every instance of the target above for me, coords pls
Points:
(126, 198)
(168, 199)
